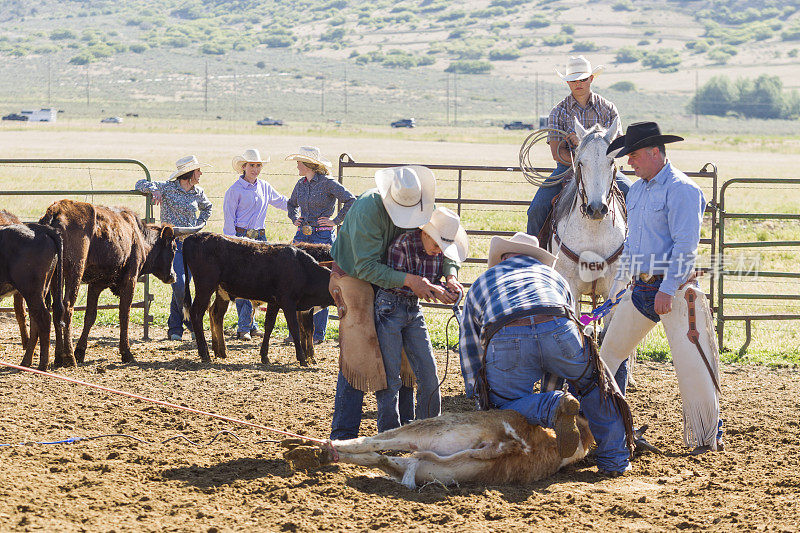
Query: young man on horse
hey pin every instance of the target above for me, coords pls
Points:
(665, 211)
(517, 325)
(589, 109)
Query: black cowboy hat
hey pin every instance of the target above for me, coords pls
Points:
(640, 135)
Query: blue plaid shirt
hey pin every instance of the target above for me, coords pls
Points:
(516, 284)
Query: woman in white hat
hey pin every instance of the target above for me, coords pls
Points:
(245, 209)
(311, 207)
(183, 203)
(589, 108)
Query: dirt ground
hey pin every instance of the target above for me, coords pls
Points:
(118, 484)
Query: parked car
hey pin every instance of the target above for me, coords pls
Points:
(518, 125)
(112, 120)
(404, 123)
(267, 121)
(15, 116)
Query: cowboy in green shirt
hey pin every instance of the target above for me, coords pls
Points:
(404, 199)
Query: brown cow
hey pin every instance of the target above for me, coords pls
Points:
(30, 259)
(106, 247)
(19, 309)
(490, 447)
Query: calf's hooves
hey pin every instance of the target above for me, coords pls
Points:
(80, 355)
(127, 357)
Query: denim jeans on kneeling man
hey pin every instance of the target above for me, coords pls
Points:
(517, 357)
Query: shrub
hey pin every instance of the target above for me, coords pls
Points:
(506, 54)
(213, 49)
(508, 3)
(719, 56)
(661, 59)
(622, 5)
(177, 41)
(791, 34)
(277, 41)
(59, 35)
(488, 13)
(569, 29)
(333, 35)
(338, 20)
(584, 46)
(458, 33)
(556, 39)
(452, 15)
(623, 86)
(469, 67)
(628, 54)
(538, 21)
(84, 58)
(138, 48)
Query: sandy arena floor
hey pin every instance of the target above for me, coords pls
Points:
(119, 484)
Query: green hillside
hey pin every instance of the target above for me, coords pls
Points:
(370, 61)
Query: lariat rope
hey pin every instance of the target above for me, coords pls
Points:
(324, 442)
(529, 169)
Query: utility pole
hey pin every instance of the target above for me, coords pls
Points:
(87, 85)
(447, 83)
(205, 104)
(696, 103)
(455, 96)
(322, 97)
(49, 83)
(536, 100)
(235, 95)
(345, 90)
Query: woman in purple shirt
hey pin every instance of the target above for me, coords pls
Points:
(311, 207)
(245, 209)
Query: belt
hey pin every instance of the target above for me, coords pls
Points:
(528, 320)
(650, 278)
(251, 233)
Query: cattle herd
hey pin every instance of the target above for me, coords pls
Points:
(111, 247)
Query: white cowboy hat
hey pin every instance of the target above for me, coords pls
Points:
(250, 155)
(445, 228)
(186, 164)
(520, 243)
(310, 154)
(408, 194)
(579, 68)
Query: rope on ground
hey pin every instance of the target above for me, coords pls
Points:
(165, 404)
(72, 440)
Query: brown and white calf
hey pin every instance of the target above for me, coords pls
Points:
(490, 447)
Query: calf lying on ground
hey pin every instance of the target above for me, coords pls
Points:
(30, 259)
(281, 275)
(491, 447)
(7, 218)
(106, 247)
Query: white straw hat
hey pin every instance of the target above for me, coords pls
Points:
(520, 243)
(445, 228)
(579, 68)
(250, 155)
(310, 154)
(408, 194)
(186, 164)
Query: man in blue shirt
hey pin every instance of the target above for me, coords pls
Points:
(665, 211)
(516, 327)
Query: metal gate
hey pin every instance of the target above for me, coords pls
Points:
(148, 297)
(725, 274)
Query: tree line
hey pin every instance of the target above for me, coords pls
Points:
(762, 97)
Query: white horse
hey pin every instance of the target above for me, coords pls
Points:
(589, 218)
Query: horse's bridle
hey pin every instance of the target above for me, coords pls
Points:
(613, 189)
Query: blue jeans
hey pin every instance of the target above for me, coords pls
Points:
(543, 199)
(517, 357)
(244, 308)
(320, 317)
(400, 325)
(176, 321)
(347, 406)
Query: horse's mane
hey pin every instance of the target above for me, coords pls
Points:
(570, 189)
